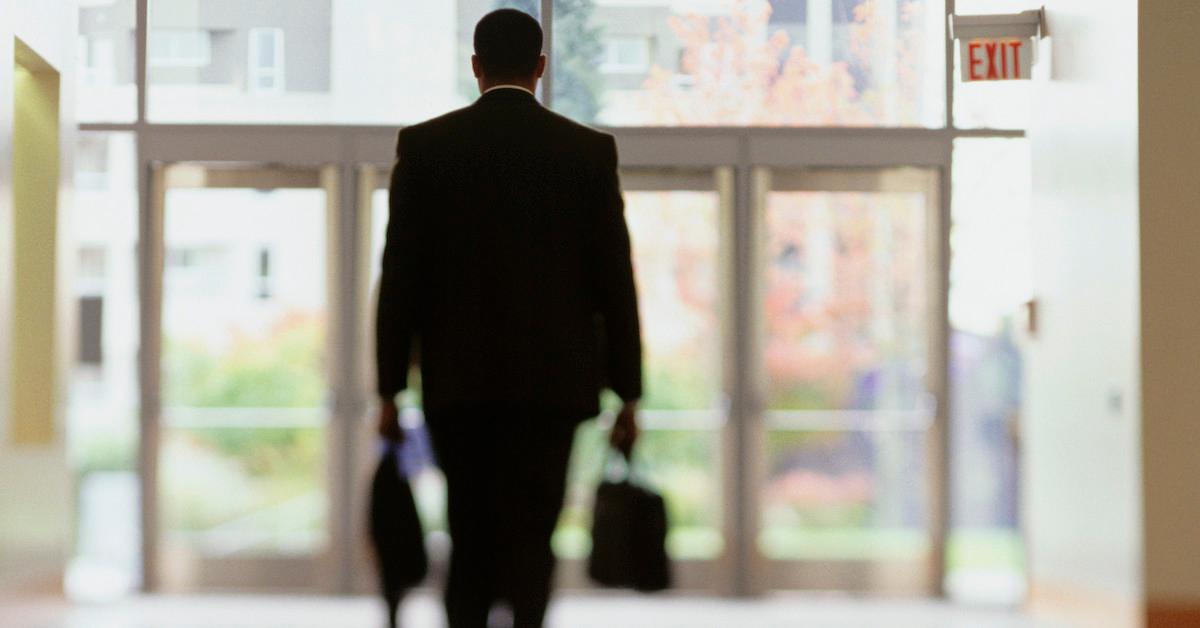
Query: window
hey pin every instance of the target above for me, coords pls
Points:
(750, 63)
(91, 331)
(200, 269)
(991, 278)
(180, 48)
(102, 384)
(105, 71)
(266, 60)
(264, 274)
(625, 55)
(92, 170)
(96, 61)
(380, 62)
(92, 263)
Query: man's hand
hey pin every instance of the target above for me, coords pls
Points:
(389, 422)
(625, 429)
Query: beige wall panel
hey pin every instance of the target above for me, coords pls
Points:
(35, 175)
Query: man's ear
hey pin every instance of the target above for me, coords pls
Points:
(541, 66)
(475, 66)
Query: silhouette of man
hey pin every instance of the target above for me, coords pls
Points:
(507, 261)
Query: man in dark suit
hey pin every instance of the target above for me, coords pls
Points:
(508, 263)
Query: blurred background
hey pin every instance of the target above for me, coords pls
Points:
(907, 338)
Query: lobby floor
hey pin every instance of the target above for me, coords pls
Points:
(573, 611)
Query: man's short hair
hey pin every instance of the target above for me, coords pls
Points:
(508, 43)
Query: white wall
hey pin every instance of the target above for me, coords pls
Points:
(1081, 474)
(35, 517)
(1170, 227)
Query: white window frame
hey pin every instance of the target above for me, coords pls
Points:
(255, 71)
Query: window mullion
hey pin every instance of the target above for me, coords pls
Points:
(548, 50)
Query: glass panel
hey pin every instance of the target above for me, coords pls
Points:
(845, 303)
(107, 76)
(676, 252)
(102, 409)
(750, 62)
(845, 494)
(990, 281)
(845, 353)
(349, 61)
(242, 463)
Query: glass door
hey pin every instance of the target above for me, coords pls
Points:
(242, 441)
(848, 457)
(838, 457)
(678, 223)
(679, 232)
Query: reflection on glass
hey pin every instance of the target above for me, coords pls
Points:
(106, 69)
(102, 404)
(845, 301)
(343, 61)
(990, 280)
(675, 238)
(244, 316)
(750, 62)
(845, 349)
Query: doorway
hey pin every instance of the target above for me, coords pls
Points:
(240, 489)
(842, 471)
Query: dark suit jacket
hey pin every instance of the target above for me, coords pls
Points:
(508, 262)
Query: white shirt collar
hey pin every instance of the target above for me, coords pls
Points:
(496, 87)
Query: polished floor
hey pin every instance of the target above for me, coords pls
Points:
(578, 611)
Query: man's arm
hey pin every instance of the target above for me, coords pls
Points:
(618, 302)
(395, 323)
(618, 294)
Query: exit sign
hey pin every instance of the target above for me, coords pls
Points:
(999, 59)
(997, 47)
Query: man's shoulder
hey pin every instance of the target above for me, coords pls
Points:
(546, 123)
(580, 130)
(433, 126)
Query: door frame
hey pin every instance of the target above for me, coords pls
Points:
(861, 576)
(343, 151)
(318, 571)
(689, 574)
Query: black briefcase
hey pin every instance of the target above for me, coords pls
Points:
(629, 536)
(396, 533)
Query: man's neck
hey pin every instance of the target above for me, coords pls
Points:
(487, 87)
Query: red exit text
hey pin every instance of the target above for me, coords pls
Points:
(996, 59)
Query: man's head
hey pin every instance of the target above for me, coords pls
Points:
(508, 50)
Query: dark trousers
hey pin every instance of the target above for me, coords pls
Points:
(505, 474)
